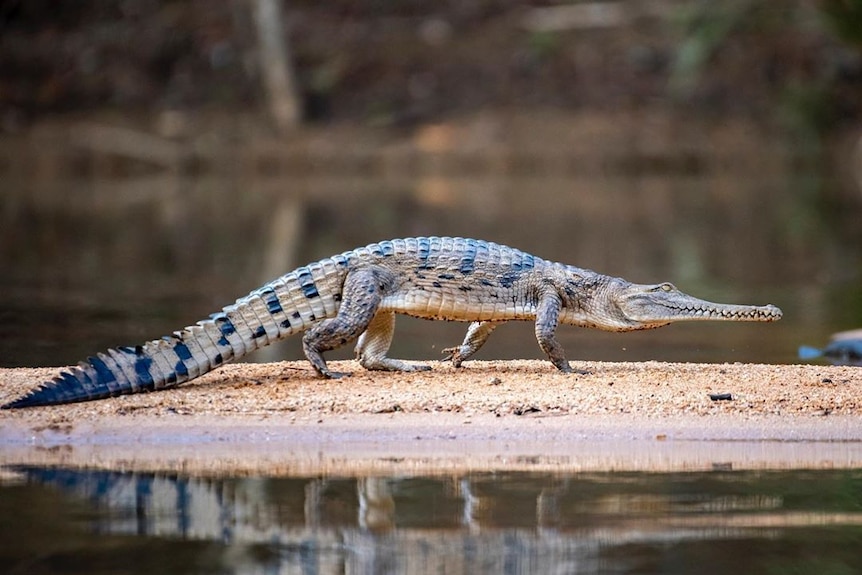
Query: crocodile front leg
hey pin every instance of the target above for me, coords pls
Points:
(547, 319)
(374, 343)
(477, 335)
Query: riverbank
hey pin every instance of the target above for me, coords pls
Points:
(518, 415)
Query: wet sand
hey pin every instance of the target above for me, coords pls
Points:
(503, 415)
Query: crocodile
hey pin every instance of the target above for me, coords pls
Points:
(354, 296)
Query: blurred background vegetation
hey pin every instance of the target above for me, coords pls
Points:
(796, 62)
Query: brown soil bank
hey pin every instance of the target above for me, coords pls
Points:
(279, 418)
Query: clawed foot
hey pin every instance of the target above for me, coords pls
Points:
(566, 368)
(389, 364)
(336, 374)
(418, 367)
(452, 354)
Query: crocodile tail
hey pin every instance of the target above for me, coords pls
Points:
(272, 312)
(157, 364)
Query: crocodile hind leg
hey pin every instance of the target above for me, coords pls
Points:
(361, 295)
(374, 343)
(477, 335)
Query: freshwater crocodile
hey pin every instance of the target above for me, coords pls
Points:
(354, 296)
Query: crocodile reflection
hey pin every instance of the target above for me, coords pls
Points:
(253, 508)
(510, 522)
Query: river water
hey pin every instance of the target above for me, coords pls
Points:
(92, 263)
(56, 520)
(117, 254)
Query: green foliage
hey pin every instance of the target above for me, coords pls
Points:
(543, 45)
(805, 96)
(805, 109)
(845, 19)
(705, 27)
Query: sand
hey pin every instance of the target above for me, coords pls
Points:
(494, 415)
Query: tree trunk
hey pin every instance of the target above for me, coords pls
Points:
(275, 63)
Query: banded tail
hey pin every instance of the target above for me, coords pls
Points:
(281, 308)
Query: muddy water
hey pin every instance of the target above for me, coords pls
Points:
(80, 521)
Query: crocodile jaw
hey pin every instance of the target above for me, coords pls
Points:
(647, 306)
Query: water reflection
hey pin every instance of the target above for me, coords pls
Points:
(749, 522)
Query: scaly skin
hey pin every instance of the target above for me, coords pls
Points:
(355, 296)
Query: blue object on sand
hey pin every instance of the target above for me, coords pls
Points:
(844, 348)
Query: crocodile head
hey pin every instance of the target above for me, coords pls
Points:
(649, 306)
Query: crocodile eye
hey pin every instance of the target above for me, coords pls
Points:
(666, 287)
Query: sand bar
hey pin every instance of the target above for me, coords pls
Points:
(488, 416)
